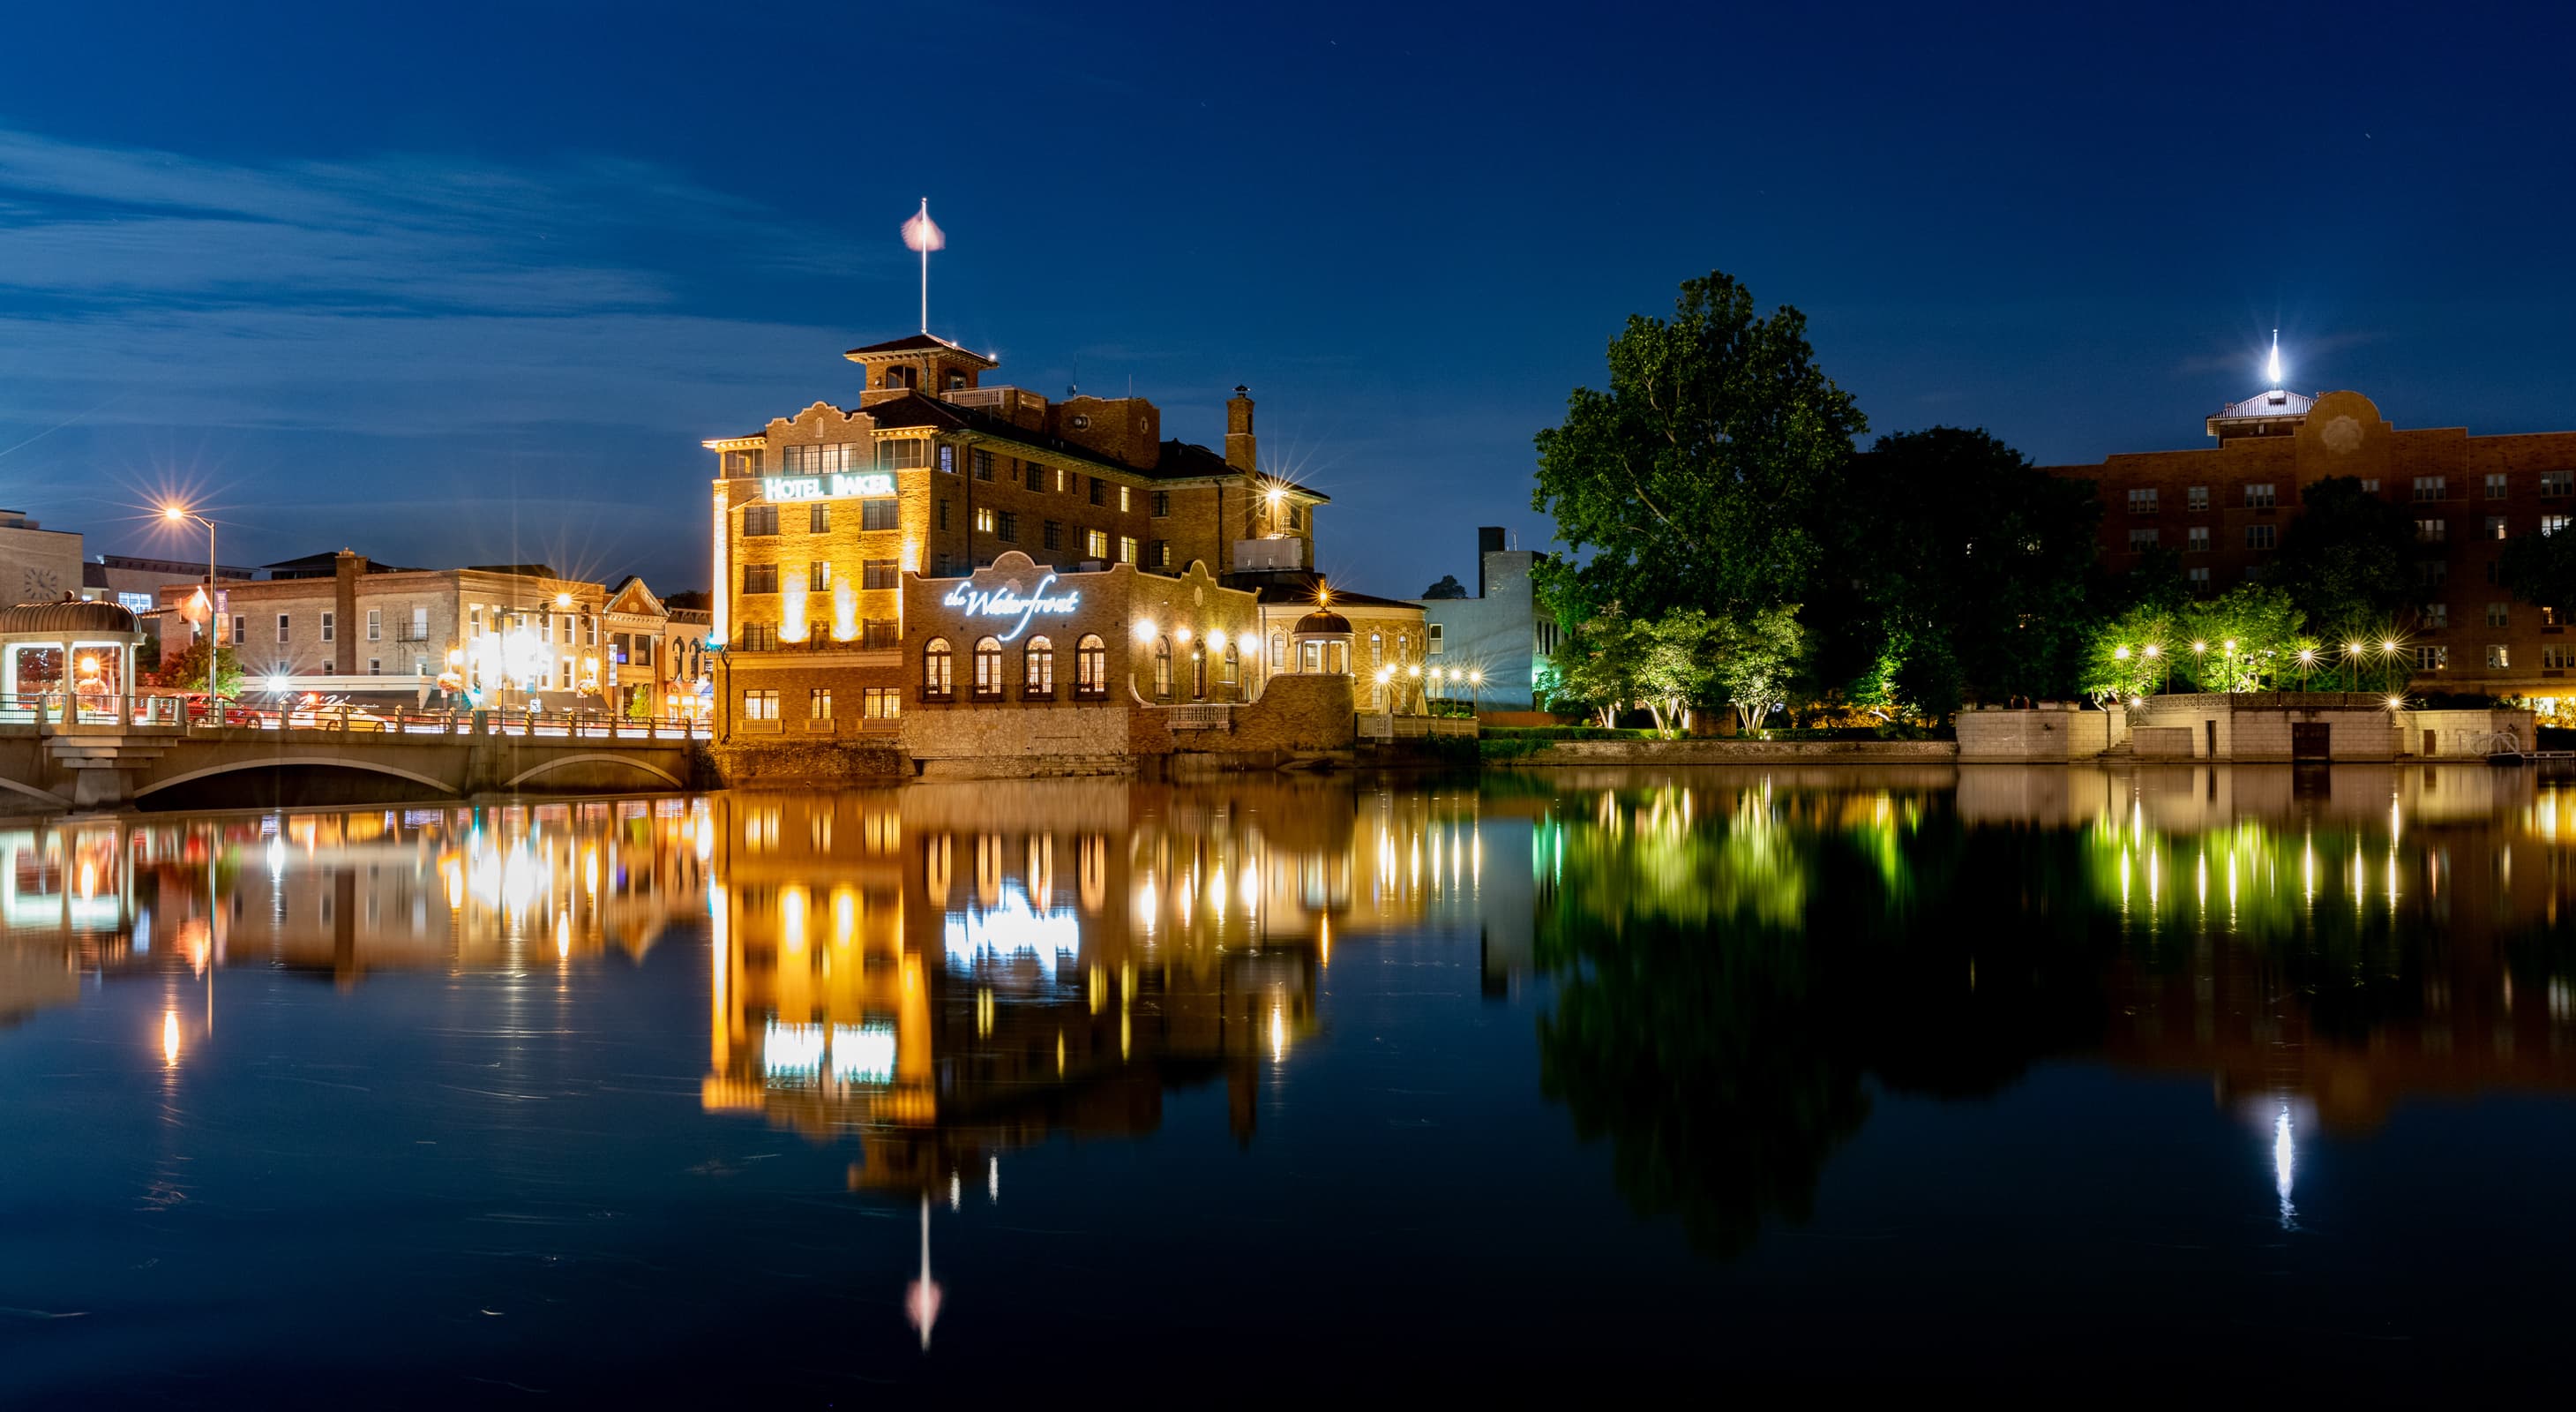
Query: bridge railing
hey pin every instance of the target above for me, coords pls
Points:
(69, 713)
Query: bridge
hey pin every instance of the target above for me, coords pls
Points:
(105, 752)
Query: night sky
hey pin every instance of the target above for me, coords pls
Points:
(448, 285)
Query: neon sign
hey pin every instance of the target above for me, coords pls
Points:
(1006, 602)
(837, 486)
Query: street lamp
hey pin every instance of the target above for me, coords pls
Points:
(177, 514)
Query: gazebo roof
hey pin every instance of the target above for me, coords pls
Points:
(1323, 622)
(52, 622)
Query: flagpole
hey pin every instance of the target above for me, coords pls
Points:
(925, 267)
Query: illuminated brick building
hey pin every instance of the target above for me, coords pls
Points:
(949, 545)
(2226, 510)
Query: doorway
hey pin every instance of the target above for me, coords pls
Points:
(2311, 740)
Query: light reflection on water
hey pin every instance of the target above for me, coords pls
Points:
(1728, 999)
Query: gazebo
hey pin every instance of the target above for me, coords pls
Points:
(1323, 639)
(75, 647)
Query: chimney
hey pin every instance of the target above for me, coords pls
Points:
(346, 569)
(1240, 447)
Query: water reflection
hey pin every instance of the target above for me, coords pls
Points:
(1742, 962)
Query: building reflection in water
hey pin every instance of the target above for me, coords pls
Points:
(1740, 960)
(336, 895)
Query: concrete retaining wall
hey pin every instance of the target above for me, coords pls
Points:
(2048, 733)
(1736, 752)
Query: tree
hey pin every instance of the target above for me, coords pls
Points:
(2348, 561)
(1973, 572)
(2246, 639)
(1595, 668)
(1758, 655)
(1700, 477)
(1448, 587)
(185, 669)
(1675, 658)
(2540, 569)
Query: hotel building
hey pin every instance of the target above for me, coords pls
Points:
(953, 546)
(2226, 510)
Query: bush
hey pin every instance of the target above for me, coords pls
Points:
(1546, 733)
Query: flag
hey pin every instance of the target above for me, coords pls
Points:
(920, 234)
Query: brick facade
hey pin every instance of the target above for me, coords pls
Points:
(2468, 492)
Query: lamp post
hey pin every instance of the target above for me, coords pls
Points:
(2227, 663)
(2163, 679)
(2199, 656)
(176, 514)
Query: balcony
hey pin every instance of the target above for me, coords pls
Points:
(1279, 554)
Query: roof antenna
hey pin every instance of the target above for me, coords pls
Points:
(1074, 388)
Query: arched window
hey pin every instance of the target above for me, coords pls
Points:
(1337, 657)
(1091, 667)
(1278, 652)
(936, 683)
(1377, 652)
(1233, 665)
(1162, 669)
(1037, 670)
(1198, 673)
(988, 669)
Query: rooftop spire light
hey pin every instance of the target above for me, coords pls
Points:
(2272, 367)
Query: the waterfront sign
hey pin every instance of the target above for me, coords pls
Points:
(837, 486)
(1006, 602)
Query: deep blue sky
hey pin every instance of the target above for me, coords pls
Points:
(446, 284)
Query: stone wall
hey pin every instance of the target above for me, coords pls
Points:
(1062, 739)
(2048, 733)
(1298, 713)
(789, 763)
(1736, 752)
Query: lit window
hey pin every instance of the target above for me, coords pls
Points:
(2552, 524)
(2432, 659)
(818, 703)
(984, 519)
(1095, 543)
(760, 704)
(988, 668)
(2432, 531)
(936, 664)
(2499, 657)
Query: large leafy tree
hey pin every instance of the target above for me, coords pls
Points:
(1970, 571)
(1759, 654)
(1594, 668)
(2349, 559)
(1677, 656)
(1700, 478)
(2541, 571)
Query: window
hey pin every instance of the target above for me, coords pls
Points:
(1096, 543)
(988, 669)
(643, 655)
(375, 625)
(2549, 619)
(281, 627)
(878, 573)
(881, 703)
(1126, 549)
(2432, 487)
(936, 683)
(947, 453)
(1278, 652)
(2196, 498)
(1438, 633)
(2196, 540)
(375, 666)
(983, 463)
(2261, 536)
(1096, 497)
(1198, 672)
(2142, 502)
(1159, 553)
(545, 627)
(2431, 571)
(740, 463)
(2557, 657)
(759, 637)
(2437, 616)
(818, 703)
(2494, 528)
(818, 519)
(818, 576)
(2432, 531)
(2258, 496)
(908, 455)
(760, 703)
(1037, 670)
(1162, 669)
(2142, 539)
(943, 514)
(2499, 614)
(984, 519)
(2552, 524)
(1162, 504)
(759, 520)
(2499, 657)
(567, 674)
(241, 624)
(2370, 485)
(1054, 534)
(420, 625)
(1233, 662)
(2432, 659)
(1091, 667)
(2199, 574)
(1008, 527)
(760, 578)
(1125, 499)
(880, 633)
(330, 623)
(881, 513)
(2558, 483)
(2495, 487)
(823, 460)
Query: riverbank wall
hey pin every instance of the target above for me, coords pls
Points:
(1734, 752)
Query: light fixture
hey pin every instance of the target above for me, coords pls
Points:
(2151, 649)
(563, 600)
(2119, 654)
(1144, 629)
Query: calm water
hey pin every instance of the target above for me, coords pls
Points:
(1998, 1076)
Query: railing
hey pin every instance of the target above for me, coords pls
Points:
(62, 713)
(1200, 718)
(1383, 726)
